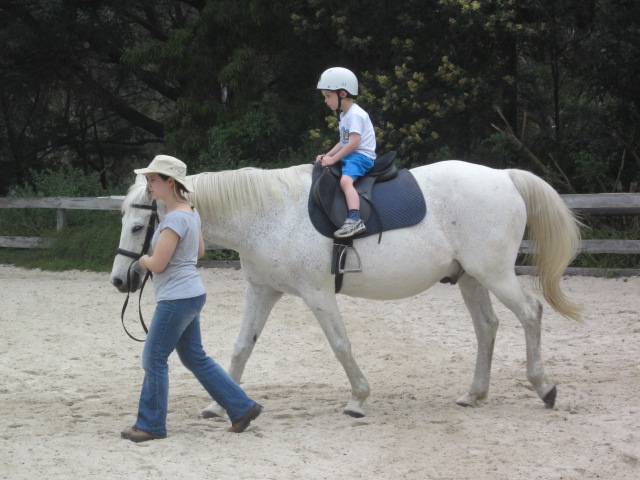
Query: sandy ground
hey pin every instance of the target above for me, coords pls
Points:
(71, 379)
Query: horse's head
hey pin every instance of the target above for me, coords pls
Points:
(137, 226)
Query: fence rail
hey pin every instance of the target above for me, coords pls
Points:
(604, 203)
(594, 204)
(61, 205)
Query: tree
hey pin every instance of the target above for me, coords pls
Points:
(105, 85)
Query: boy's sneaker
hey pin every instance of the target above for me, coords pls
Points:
(350, 228)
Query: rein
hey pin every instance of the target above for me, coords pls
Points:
(151, 227)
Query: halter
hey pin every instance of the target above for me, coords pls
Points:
(151, 227)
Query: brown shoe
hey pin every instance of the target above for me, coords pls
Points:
(242, 424)
(136, 435)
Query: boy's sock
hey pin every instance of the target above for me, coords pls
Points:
(354, 215)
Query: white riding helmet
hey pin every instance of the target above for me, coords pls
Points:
(338, 78)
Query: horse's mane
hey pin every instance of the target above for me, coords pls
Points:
(232, 190)
(133, 195)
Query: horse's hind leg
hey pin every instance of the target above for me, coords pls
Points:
(529, 312)
(259, 300)
(476, 297)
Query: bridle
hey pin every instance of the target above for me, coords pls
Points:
(151, 228)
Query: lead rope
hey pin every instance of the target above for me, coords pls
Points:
(126, 302)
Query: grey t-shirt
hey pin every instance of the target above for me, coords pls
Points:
(181, 278)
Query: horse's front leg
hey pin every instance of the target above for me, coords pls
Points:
(325, 308)
(476, 298)
(258, 302)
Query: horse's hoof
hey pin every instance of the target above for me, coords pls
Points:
(354, 408)
(353, 414)
(208, 414)
(550, 398)
(467, 401)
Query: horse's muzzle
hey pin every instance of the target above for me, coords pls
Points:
(122, 285)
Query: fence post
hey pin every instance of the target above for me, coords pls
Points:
(61, 219)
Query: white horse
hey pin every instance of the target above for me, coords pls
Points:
(475, 221)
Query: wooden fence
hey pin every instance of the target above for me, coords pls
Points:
(593, 204)
(61, 205)
(603, 204)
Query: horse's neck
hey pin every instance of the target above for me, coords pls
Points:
(256, 229)
(243, 231)
(257, 209)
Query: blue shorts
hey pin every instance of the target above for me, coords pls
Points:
(356, 165)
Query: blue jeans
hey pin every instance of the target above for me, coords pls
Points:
(176, 325)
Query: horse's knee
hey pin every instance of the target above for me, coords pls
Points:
(342, 350)
(533, 312)
(242, 350)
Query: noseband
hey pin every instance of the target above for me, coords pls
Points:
(151, 228)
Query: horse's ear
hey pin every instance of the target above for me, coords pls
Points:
(141, 179)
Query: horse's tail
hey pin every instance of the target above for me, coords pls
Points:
(554, 232)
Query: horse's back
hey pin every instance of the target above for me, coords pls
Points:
(468, 188)
(477, 209)
(455, 174)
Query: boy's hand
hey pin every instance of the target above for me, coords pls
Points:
(326, 160)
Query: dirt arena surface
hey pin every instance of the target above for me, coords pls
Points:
(71, 380)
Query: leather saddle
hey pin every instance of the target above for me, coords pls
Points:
(328, 196)
(391, 194)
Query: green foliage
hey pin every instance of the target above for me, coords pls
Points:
(247, 140)
(500, 146)
(104, 86)
(65, 182)
(223, 255)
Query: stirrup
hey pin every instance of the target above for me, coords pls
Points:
(341, 259)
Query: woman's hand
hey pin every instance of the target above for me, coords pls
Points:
(143, 261)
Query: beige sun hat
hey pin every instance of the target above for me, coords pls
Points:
(169, 166)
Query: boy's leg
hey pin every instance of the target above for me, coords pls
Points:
(353, 225)
(350, 193)
(354, 166)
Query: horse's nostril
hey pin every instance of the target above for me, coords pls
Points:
(116, 282)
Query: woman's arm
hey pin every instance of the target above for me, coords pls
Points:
(165, 246)
(200, 246)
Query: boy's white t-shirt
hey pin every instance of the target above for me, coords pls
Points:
(356, 120)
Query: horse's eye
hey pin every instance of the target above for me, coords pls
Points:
(137, 228)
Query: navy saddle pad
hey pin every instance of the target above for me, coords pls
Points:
(396, 203)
